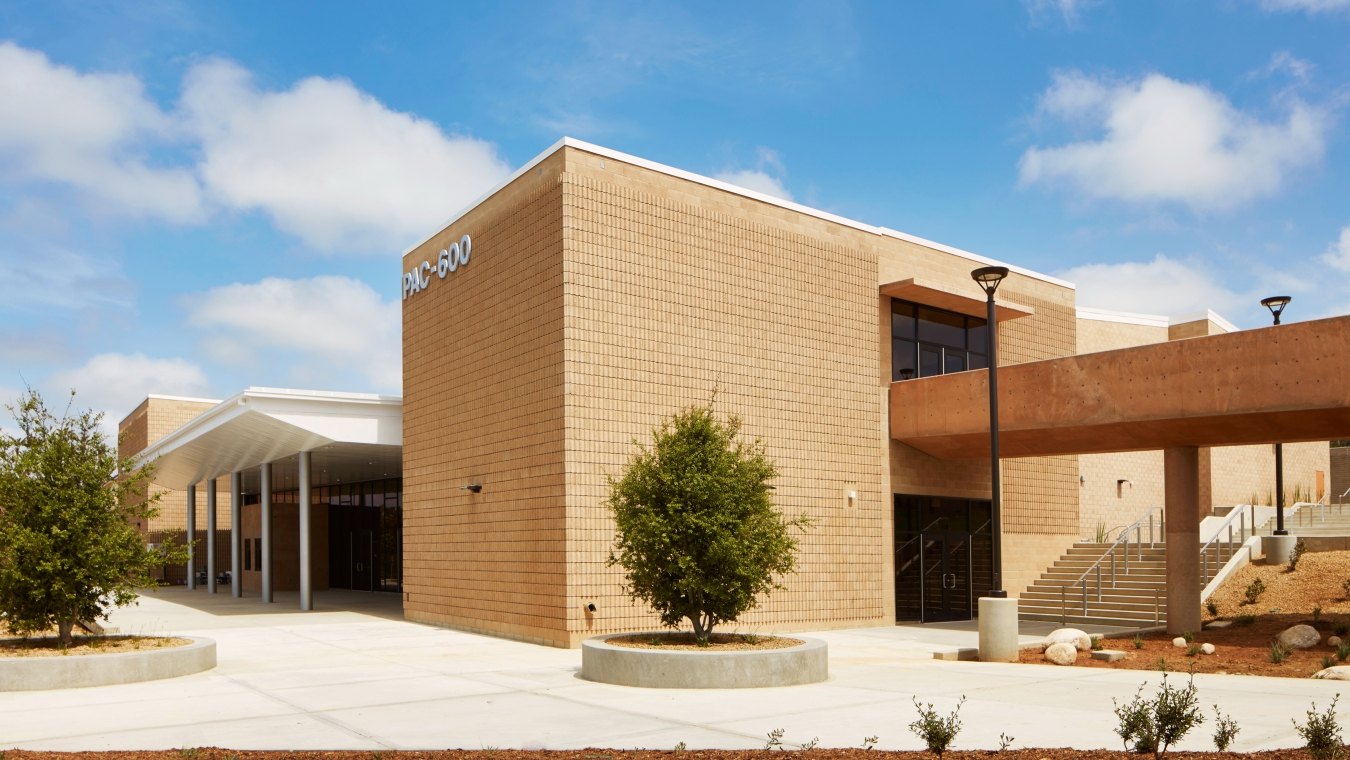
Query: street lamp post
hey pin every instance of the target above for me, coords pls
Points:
(1276, 305)
(989, 279)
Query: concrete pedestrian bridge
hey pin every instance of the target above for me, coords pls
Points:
(1273, 385)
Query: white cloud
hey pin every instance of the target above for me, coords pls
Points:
(1068, 10)
(61, 278)
(91, 132)
(326, 329)
(1310, 6)
(115, 383)
(328, 162)
(1170, 141)
(767, 177)
(1163, 286)
(1298, 69)
(1338, 253)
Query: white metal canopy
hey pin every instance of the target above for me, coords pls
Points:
(353, 436)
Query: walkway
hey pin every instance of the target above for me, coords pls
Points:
(364, 679)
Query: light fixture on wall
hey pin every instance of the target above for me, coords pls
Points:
(590, 607)
(1276, 305)
(472, 488)
(1120, 486)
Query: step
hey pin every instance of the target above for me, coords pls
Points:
(1079, 620)
(1107, 594)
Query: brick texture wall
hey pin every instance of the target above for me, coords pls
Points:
(483, 403)
(1340, 472)
(153, 419)
(674, 289)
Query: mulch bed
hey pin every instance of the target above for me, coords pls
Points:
(716, 642)
(605, 754)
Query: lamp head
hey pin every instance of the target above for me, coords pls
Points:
(1276, 305)
(989, 278)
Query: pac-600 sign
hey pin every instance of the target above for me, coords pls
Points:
(448, 260)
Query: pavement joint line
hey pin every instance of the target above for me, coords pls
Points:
(315, 714)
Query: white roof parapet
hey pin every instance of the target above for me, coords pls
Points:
(1122, 317)
(746, 192)
(1210, 315)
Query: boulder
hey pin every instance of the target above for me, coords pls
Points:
(1206, 649)
(1300, 637)
(1334, 641)
(1334, 673)
(1079, 639)
(1180, 642)
(1062, 653)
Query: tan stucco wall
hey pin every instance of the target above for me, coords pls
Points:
(1339, 477)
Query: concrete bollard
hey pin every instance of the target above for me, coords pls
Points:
(998, 629)
(1278, 548)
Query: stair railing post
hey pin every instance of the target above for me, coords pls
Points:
(1242, 526)
(1157, 613)
(1099, 583)
(1150, 526)
(1113, 569)
(1085, 598)
(1063, 613)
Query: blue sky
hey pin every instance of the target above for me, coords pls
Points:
(197, 197)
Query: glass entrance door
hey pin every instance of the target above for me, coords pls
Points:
(943, 557)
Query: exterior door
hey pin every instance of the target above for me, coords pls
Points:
(943, 557)
(946, 582)
(363, 569)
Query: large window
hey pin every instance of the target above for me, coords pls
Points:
(927, 341)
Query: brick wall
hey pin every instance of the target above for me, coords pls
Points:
(483, 403)
(1340, 472)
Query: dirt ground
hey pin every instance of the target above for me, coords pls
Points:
(46, 646)
(1314, 594)
(606, 754)
(716, 642)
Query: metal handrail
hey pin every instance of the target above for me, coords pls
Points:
(1238, 514)
(1137, 527)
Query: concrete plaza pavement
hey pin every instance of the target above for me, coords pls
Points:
(353, 675)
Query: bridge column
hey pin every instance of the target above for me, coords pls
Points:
(1181, 473)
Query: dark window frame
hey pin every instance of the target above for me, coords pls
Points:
(908, 351)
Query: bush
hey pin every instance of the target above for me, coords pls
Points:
(1300, 547)
(69, 547)
(937, 732)
(1225, 730)
(1154, 725)
(1322, 732)
(697, 533)
(1278, 652)
(1138, 641)
(1343, 651)
(1254, 590)
(1212, 608)
(1245, 619)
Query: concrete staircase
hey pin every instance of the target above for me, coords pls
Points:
(1137, 598)
(1313, 520)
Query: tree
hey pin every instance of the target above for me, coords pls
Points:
(69, 551)
(697, 532)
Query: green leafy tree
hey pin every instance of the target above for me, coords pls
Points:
(697, 532)
(69, 549)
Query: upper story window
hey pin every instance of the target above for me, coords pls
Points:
(930, 341)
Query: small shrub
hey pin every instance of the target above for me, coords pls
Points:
(1322, 732)
(1101, 533)
(750, 638)
(937, 732)
(1300, 546)
(1192, 650)
(1096, 643)
(1212, 608)
(1328, 661)
(1343, 651)
(1189, 636)
(1225, 730)
(1138, 641)
(1153, 725)
(1162, 664)
(1254, 591)
(811, 744)
(870, 742)
(774, 739)
(1341, 629)
(1245, 619)
(680, 748)
(1278, 652)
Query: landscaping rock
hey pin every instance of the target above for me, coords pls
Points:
(1334, 641)
(1206, 649)
(1300, 637)
(1180, 642)
(1079, 639)
(1334, 673)
(1218, 624)
(1062, 653)
(1108, 655)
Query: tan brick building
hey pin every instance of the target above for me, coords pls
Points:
(565, 314)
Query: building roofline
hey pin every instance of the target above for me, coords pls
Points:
(1122, 317)
(570, 142)
(1207, 315)
(193, 399)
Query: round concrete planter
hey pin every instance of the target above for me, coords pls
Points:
(686, 669)
(76, 671)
